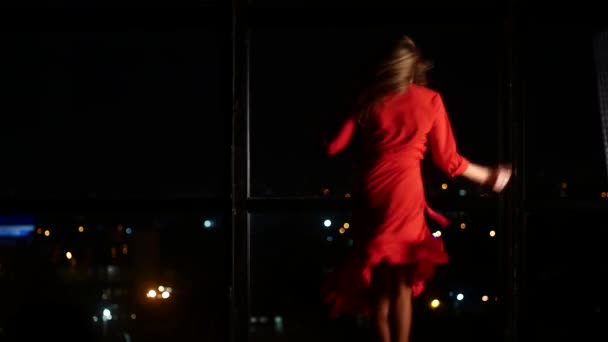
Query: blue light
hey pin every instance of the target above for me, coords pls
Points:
(462, 192)
(16, 231)
(16, 225)
(129, 231)
(208, 224)
(460, 296)
(327, 223)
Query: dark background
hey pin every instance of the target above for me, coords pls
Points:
(126, 122)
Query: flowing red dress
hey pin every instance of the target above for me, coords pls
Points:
(390, 209)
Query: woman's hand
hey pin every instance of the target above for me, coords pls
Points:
(495, 178)
(500, 177)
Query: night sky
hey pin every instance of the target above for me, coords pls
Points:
(139, 114)
(113, 114)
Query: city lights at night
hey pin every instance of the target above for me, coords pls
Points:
(271, 171)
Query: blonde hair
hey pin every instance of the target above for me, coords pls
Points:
(396, 70)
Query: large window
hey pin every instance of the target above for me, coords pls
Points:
(164, 182)
(565, 172)
(114, 219)
(301, 79)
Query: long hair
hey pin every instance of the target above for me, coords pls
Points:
(401, 65)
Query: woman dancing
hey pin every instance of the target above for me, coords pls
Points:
(394, 251)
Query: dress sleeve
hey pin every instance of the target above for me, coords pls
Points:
(442, 143)
(342, 139)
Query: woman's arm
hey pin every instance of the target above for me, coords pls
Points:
(477, 173)
(446, 155)
(342, 139)
(495, 178)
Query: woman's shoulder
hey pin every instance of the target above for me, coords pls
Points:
(423, 92)
(416, 95)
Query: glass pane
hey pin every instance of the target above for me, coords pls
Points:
(113, 114)
(564, 143)
(301, 79)
(291, 252)
(565, 247)
(114, 276)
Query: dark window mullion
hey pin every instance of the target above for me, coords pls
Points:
(240, 234)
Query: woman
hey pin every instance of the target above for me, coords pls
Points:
(394, 252)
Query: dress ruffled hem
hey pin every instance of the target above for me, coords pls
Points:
(346, 290)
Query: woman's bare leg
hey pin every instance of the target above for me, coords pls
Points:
(402, 309)
(380, 302)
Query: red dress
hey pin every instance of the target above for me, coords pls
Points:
(389, 210)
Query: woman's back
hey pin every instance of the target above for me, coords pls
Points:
(399, 125)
